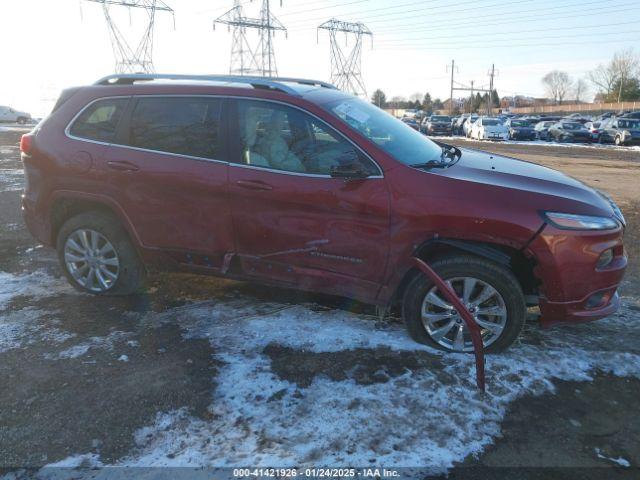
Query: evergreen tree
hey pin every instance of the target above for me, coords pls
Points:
(427, 103)
(379, 98)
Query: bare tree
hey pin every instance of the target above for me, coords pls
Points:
(603, 78)
(580, 88)
(416, 97)
(625, 64)
(557, 84)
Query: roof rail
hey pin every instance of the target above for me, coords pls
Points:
(274, 83)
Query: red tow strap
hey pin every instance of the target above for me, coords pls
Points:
(466, 315)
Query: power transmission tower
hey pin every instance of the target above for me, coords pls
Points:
(140, 58)
(346, 69)
(245, 60)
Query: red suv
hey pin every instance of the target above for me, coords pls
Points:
(295, 183)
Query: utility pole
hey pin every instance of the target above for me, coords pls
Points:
(244, 59)
(490, 99)
(140, 58)
(453, 64)
(346, 68)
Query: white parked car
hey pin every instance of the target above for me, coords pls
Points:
(468, 125)
(8, 114)
(488, 128)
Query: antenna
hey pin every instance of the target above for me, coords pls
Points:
(244, 59)
(128, 59)
(346, 69)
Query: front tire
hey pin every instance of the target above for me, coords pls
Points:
(97, 256)
(489, 289)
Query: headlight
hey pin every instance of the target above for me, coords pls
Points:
(568, 221)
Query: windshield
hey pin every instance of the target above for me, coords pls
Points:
(519, 123)
(572, 126)
(394, 137)
(440, 118)
(490, 121)
(629, 123)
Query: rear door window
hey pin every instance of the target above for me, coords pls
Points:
(180, 125)
(99, 120)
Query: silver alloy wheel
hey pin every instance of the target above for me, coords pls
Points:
(91, 260)
(447, 328)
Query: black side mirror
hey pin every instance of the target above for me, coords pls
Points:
(348, 171)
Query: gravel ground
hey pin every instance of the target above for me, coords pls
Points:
(206, 372)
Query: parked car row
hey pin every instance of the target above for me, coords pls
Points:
(607, 128)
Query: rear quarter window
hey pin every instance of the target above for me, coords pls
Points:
(99, 120)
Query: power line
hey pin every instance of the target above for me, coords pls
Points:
(324, 7)
(493, 34)
(475, 46)
(475, 23)
(365, 14)
(430, 44)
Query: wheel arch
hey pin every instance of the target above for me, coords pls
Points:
(521, 265)
(65, 205)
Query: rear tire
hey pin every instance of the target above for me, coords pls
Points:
(121, 272)
(510, 297)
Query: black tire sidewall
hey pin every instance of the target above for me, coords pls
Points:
(132, 273)
(458, 266)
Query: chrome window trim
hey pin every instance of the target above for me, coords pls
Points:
(233, 164)
(181, 155)
(287, 172)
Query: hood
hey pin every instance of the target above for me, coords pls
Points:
(518, 175)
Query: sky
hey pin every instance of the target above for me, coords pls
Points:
(47, 45)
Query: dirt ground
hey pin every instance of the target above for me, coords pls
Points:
(90, 374)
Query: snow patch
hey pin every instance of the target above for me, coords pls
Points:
(37, 284)
(425, 417)
(100, 343)
(88, 460)
(25, 326)
(620, 461)
(11, 179)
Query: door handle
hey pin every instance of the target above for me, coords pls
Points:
(254, 185)
(122, 166)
